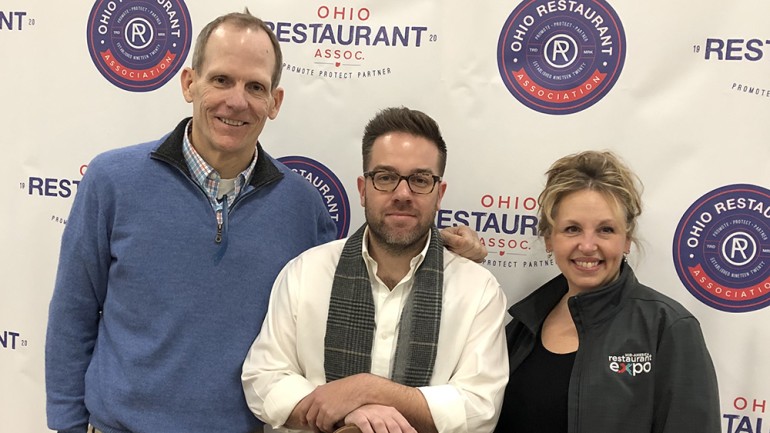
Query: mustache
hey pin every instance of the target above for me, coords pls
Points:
(400, 206)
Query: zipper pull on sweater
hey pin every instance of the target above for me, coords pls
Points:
(218, 239)
(221, 237)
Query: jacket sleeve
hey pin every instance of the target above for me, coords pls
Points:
(75, 308)
(686, 393)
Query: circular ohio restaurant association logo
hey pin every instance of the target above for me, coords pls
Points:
(138, 45)
(561, 56)
(328, 185)
(722, 248)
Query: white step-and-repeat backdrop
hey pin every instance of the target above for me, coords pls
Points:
(681, 90)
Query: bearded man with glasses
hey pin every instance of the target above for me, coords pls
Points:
(386, 330)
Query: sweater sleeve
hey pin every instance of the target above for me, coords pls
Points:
(686, 393)
(327, 230)
(273, 380)
(75, 308)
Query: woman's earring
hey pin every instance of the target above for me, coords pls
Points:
(549, 253)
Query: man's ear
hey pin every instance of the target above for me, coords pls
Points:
(441, 190)
(361, 182)
(187, 79)
(277, 94)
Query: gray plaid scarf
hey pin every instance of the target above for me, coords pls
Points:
(350, 324)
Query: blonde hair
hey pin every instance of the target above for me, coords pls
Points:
(603, 172)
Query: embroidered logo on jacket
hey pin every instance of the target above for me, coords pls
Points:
(631, 363)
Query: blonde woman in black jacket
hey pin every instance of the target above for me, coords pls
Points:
(593, 350)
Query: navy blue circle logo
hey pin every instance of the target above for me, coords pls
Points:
(722, 248)
(561, 56)
(328, 185)
(138, 45)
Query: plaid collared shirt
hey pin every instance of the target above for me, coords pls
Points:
(204, 175)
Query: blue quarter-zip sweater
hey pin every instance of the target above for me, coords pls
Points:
(151, 317)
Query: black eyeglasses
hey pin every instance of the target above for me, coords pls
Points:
(388, 181)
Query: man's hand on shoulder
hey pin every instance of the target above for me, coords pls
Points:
(463, 241)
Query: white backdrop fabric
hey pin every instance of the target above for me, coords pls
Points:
(687, 110)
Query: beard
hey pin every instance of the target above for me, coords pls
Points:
(398, 240)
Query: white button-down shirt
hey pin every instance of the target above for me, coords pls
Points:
(286, 362)
(388, 305)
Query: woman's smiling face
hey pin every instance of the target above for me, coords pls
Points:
(588, 240)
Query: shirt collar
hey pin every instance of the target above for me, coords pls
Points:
(415, 263)
(205, 175)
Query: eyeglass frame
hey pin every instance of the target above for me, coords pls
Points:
(372, 173)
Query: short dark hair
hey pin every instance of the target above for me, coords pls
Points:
(243, 20)
(402, 119)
